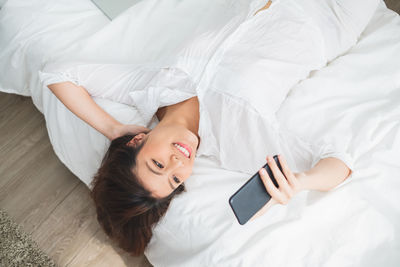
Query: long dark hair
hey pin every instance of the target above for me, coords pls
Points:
(125, 209)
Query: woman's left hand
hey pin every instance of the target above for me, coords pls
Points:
(287, 181)
(289, 184)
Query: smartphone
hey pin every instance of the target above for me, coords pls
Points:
(252, 196)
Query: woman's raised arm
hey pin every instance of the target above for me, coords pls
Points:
(324, 176)
(78, 101)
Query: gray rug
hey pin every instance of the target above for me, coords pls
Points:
(17, 248)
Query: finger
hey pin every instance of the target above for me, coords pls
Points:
(145, 130)
(282, 182)
(139, 129)
(286, 170)
(271, 188)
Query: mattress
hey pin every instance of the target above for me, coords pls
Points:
(358, 93)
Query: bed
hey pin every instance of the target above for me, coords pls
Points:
(357, 224)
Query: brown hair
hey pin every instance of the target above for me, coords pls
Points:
(125, 209)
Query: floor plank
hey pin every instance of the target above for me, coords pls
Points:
(36, 191)
(21, 146)
(393, 5)
(69, 227)
(103, 253)
(15, 113)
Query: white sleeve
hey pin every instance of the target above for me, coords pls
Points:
(146, 87)
(110, 81)
(308, 150)
(325, 150)
(57, 73)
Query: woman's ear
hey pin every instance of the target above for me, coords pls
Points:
(136, 140)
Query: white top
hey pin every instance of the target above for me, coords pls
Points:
(241, 73)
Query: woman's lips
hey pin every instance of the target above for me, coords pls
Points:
(188, 148)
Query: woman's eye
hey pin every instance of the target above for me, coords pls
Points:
(176, 180)
(158, 164)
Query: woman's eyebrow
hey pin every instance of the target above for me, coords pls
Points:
(159, 174)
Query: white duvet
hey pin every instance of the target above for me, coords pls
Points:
(358, 94)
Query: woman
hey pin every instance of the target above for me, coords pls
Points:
(144, 169)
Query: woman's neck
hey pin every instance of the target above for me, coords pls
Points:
(185, 113)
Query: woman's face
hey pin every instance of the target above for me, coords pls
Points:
(161, 165)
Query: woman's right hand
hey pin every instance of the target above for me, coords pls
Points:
(125, 129)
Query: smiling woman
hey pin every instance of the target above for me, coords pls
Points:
(126, 210)
(142, 170)
(140, 174)
(166, 160)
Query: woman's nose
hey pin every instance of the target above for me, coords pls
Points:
(176, 161)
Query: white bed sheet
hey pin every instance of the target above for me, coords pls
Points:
(356, 225)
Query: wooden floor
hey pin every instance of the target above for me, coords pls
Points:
(394, 5)
(40, 194)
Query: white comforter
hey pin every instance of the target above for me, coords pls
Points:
(355, 225)
(359, 94)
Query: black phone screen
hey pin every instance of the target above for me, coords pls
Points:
(252, 196)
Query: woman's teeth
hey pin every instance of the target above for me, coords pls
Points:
(183, 150)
